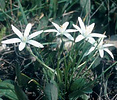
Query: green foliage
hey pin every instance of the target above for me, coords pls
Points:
(59, 72)
(7, 90)
(20, 94)
(51, 92)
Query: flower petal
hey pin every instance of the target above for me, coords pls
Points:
(56, 26)
(58, 34)
(75, 26)
(69, 36)
(71, 30)
(27, 30)
(51, 30)
(100, 40)
(10, 41)
(90, 28)
(81, 24)
(101, 51)
(91, 40)
(79, 38)
(34, 34)
(17, 32)
(64, 26)
(90, 50)
(22, 46)
(108, 45)
(98, 35)
(109, 52)
(35, 43)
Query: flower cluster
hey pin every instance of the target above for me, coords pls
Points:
(85, 34)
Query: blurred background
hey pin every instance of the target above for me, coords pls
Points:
(41, 12)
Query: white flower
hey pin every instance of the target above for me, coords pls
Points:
(62, 30)
(86, 32)
(24, 38)
(101, 48)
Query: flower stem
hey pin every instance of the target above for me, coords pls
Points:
(41, 62)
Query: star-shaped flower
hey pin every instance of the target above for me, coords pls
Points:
(101, 48)
(24, 37)
(62, 30)
(86, 32)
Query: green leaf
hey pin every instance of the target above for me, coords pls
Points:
(2, 32)
(80, 87)
(51, 92)
(20, 93)
(84, 97)
(2, 4)
(7, 90)
(77, 84)
(86, 5)
(75, 94)
(2, 16)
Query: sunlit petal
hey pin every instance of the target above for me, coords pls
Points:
(34, 34)
(58, 34)
(35, 43)
(27, 30)
(69, 36)
(109, 52)
(22, 46)
(51, 30)
(56, 26)
(13, 40)
(108, 45)
(79, 38)
(64, 26)
(91, 40)
(90, 28)
(98, 35)
(81, 24)
(101, 51)
(100, 40)
(17, 32)
(90, 50)
(75, 26)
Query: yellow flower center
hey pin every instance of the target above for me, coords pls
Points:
(24, 39)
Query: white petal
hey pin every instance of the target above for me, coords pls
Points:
(56, 26)
(51, 30)
(69, 36)
(90, 28)
(10, 41)
(27, 30)
(109, 52)
(75, 26)
(91, 40)
(58, 34)
(22, 46)
(101, 51)
(81, 24)
(90, 50)
(108, 45)
(35, 43)
(34, 34)
(100, 40)
(98, 35)
(71, 30)
(17, 32)
(64, 26)
(79, 38)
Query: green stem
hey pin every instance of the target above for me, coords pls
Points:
(46, 66)
(23, 14)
